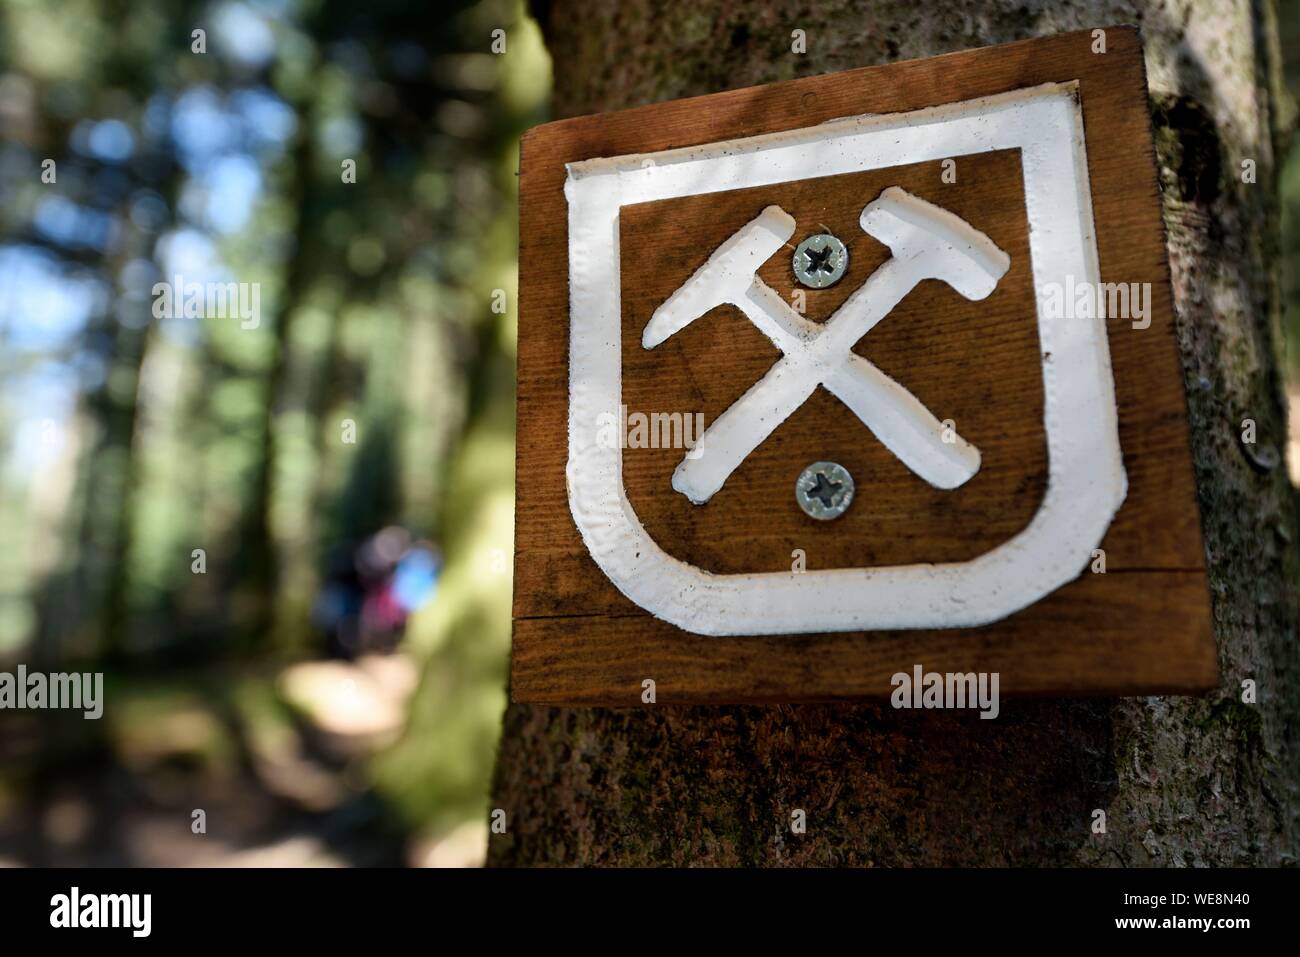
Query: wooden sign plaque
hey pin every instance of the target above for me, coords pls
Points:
(984, 345)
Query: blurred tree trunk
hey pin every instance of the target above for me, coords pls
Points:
(108, 509)
(259, 568)
(103, 539)
(1183, 781)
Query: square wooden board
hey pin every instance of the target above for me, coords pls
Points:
(1142, 627)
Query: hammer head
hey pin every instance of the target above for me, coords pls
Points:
(724, 277)
(947, 246)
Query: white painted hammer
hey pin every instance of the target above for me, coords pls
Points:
(927, 242)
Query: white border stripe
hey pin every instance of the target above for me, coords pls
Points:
(1086, 479)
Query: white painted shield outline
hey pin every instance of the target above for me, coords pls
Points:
(1086, 480)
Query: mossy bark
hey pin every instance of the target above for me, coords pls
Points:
(1183, 781)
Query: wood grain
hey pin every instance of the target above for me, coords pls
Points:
(977, 364)
(603, 660)
(1143, 626)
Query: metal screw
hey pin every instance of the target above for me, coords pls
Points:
(820, 261)
(824, 490)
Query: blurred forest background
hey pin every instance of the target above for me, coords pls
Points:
(184, 501)
(286, 542)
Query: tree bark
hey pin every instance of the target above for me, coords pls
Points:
(1183, 781)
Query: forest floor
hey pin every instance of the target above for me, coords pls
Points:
(265, 766)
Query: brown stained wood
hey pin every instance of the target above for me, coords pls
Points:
(1047, 648)
(1143, 626)
(976, 363)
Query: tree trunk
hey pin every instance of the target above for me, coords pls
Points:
(1183, 781)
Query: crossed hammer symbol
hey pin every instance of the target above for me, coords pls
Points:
(926, 242)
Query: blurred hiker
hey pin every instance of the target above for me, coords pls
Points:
(371, 589)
